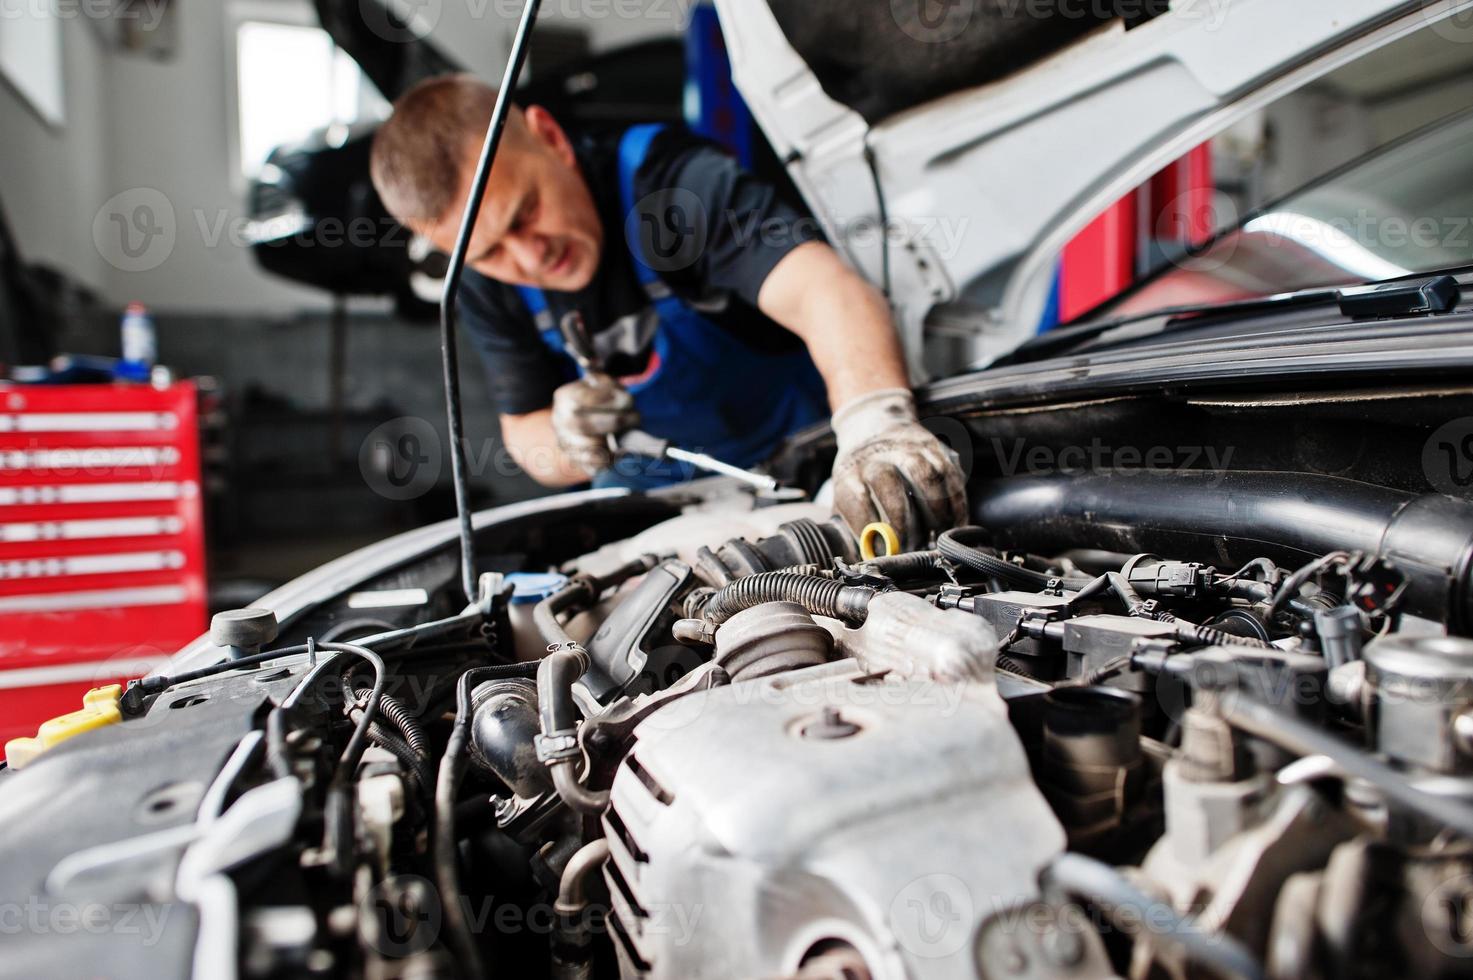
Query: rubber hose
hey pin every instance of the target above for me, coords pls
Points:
(819, 596)
(556, 674)
(557, 714)
(1121, 587)
(953, 548)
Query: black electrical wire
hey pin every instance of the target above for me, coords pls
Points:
(449, 357)
(1120, 586)
(955, 548)
(1295, 582)
(394, 642)
(358, 742)
(339, 630)
(337, 808)
(447, 783)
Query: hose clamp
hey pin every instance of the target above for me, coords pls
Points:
(556, 746)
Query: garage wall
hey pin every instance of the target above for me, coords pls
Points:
(171, 136)
(469, 32)
(51, 178)
(157, 134)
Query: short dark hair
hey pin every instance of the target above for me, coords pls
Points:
(419, 152)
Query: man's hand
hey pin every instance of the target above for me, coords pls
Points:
(891, 468)
(585, 413)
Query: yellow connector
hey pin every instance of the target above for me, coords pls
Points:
(99, 708)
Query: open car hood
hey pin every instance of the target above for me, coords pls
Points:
(982, 186)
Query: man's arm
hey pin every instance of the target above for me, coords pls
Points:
(533, 446)
(522, 375)
(844, 321)
(889, 467)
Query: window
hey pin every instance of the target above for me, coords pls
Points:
(30, 58)
(291, 80)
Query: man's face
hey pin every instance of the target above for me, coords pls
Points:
(538, 225)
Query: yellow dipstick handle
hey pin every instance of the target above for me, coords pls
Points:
(885, 533)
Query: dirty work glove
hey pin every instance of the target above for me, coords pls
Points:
(585, 413)
(891, 469)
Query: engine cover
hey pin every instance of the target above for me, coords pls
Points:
(755, 826)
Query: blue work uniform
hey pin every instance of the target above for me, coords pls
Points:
(703, 386)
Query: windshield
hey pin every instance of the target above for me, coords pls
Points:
(1401, 210)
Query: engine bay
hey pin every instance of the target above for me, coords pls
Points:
(742, 742)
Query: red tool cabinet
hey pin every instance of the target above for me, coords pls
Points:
(102, 561)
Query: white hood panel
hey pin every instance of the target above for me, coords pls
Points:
(984, 187)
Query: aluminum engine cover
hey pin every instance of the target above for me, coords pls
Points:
(747, 829)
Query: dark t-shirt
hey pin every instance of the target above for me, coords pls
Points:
(710, 230)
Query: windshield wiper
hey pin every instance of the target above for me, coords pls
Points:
(1422, 293)
(1429, 296)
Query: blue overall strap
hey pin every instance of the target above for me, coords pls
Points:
(634, 147)
(536, 304)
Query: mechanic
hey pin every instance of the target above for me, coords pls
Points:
(687, 269)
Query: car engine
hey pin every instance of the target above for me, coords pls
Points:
(751, 744)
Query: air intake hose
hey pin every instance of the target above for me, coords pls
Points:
(1291, 518)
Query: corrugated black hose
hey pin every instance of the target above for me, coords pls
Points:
(411, 737)
(417, 766)
(820, 596)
